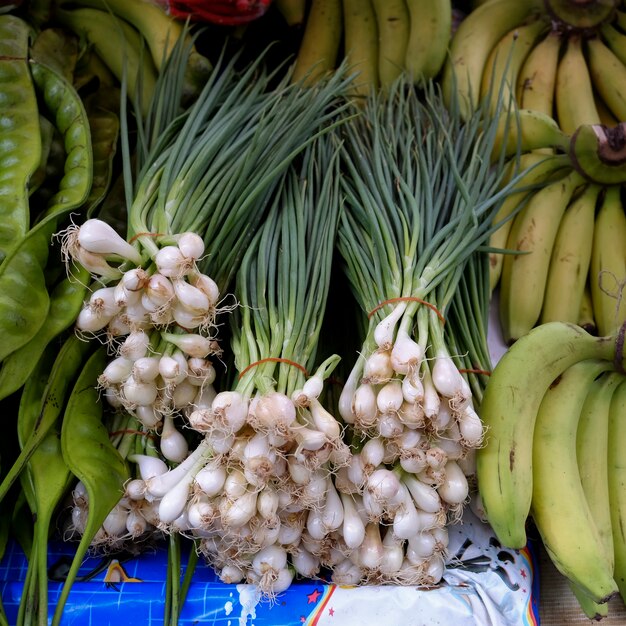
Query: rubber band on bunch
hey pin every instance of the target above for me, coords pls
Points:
(274, 359)
(137, 235)
(407, 299)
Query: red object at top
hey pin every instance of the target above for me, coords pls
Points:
(226, 12)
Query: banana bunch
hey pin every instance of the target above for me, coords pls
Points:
(555, 411)
(380, 40)
(563, 58)
(566, 243)
(132, 39)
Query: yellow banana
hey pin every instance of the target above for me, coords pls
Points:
(606, 117)
(559, 507)
(571, 256)
(586, 317)
(537, 79)
(429, 37)
(524, 274)
(617, 483)
(293, 11)
(608, 74)
(118, 44)
(536, 169)
(361, 45)
(608, 263)
(320, 42)
(471, 46)
(505, 61)
(575, 104)
(392, 17)
(508, 410)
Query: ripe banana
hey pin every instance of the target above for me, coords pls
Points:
(509, 408)
(524, 275)
(392, 17)
(617, 483)
(505, 61)
(317, 54)
(361, 45)
(559, 507)
(575, 104)
(580, 16)
(609, 77)
(608, 263)
(537, 79)
(534, 169)
(523, 130)
(571, 256)
(119, 45)
(429, 37)
(472, 43)
(599, 153)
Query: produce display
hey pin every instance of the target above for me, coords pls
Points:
(248, 252)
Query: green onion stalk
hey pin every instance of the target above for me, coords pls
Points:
(197, 184)
(420, 196)
(198, 194)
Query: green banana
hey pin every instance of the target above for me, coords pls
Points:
(615, 40)
(505, 61)
(525, 130)
(580, 15)
(160, 31)
(525, 273)
(599, 153)
(471, 46)
(571, 257)
(575, 103)
(592, 443)
(537, 79)
(361, 45)
(608, 262)
(119, 45)
(617, 483)
(559, 507)
(608, 74)
(319, 47)
(392, 17)
(429, 37)
(508, 410)
(536, 169)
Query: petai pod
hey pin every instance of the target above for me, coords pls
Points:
(92, 458)
(20, 140)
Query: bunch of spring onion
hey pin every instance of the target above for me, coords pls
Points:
(420, 196)
(261, 478)
(200, 187)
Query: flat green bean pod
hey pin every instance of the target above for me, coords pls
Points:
(68, 362)
(88, 452)
(20, 140)
(66, 300)
(70, 118)
(47, 479)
